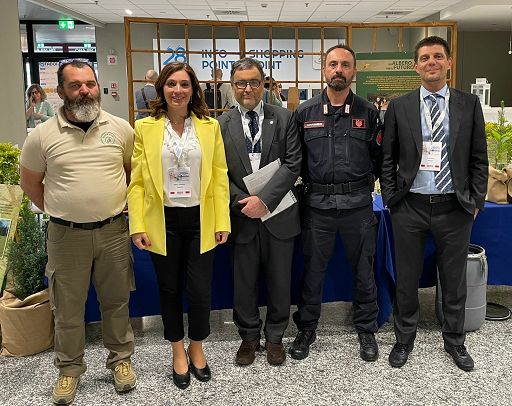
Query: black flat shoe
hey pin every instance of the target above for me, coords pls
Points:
(181, 380)
(201, 374)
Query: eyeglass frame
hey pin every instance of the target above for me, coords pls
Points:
(239, 83)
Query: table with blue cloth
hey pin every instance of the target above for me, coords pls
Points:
(489, 231)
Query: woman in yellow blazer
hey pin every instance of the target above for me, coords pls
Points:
(178, 205)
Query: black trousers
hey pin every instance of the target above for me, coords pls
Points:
(358, 230)
(273, 257)
(184, 266)
(412, 219)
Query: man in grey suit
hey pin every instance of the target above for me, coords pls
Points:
(256, 134)
(144, 96)
(434, 180)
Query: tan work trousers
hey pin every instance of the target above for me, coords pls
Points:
(73, 254)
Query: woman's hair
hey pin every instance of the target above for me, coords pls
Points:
(39, 89)
(196, 104)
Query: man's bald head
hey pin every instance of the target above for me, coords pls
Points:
(151, 76)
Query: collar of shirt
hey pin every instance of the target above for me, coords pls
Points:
(338, 109)
(258, 109)
(442, 92)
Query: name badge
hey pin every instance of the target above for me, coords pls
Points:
(179, 185)
(255, 158)
(314, 124)
(431, 156)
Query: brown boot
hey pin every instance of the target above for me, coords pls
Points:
(275, 353)
(247, 352)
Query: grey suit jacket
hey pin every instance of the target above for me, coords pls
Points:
(467, 149)
(150, 93)
(279, 140)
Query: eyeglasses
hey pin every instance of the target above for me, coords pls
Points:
(242, 84)
(71, 60)
(34, 92)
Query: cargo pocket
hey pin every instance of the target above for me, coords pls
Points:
(369, 233)
(50, 274)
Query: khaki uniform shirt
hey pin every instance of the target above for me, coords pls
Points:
(85, 177)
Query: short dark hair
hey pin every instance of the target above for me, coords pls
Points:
(244, 64)
(428, 42)
(340, 46)
(197, 103)
(76, 64)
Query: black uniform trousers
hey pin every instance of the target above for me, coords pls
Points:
(358, 230)
(273, 257)
(413, 218)
(184, 266)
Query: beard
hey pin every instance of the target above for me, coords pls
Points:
(339, 82)
(84, 108)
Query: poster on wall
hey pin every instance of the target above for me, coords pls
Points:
(383, 76)
(48, 81)
(10, 202)
(283, 66)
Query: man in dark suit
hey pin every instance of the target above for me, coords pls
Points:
(144, 96)
(434, 179)
(256, 134)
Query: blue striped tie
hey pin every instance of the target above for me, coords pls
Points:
(443, 179)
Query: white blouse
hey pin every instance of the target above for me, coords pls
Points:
(179, 152)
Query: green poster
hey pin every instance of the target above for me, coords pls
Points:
(382, 76)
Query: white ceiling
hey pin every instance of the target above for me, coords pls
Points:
(479, 15)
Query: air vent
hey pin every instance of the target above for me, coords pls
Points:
(230, 12)
(395, 13)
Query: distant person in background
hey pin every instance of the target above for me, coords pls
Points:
(222, 91)
(37, 109)
(281, 95)
(272, 93)
(144, 96)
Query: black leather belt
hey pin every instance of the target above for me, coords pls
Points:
(338, 188)
(433, 199)
(85, 226)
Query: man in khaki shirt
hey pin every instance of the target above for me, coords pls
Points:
(75, 167)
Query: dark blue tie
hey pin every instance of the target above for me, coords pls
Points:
(254, 126)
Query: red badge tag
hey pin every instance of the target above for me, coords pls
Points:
(314, 124)
(358, 123)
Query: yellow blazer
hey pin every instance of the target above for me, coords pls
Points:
(145, 193)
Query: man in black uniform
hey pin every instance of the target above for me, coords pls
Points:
(341, 159)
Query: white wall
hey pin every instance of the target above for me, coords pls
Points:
(12, 102)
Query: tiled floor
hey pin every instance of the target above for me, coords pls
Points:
(333, 374)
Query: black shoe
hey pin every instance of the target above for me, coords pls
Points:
(181, 380)
(368, 349)
(201, 374)
(399, 354)
(300, 346)
(461, 357)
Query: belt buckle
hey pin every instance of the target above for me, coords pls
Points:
(434, 199)
(330, 189)
(87, 226)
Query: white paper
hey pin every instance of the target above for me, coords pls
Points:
(256, 181)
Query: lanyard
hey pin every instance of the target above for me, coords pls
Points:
(177, 146)
(428, 117)
(247, 131)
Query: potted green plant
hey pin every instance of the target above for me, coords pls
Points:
(26, 318)
(499, 140)
(499, 150)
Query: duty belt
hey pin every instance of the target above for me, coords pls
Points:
(85, 226)
(338, 188)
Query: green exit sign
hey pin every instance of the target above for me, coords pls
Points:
(66, 25)
(86, 45)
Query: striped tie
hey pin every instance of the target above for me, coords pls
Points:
(442, 178)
